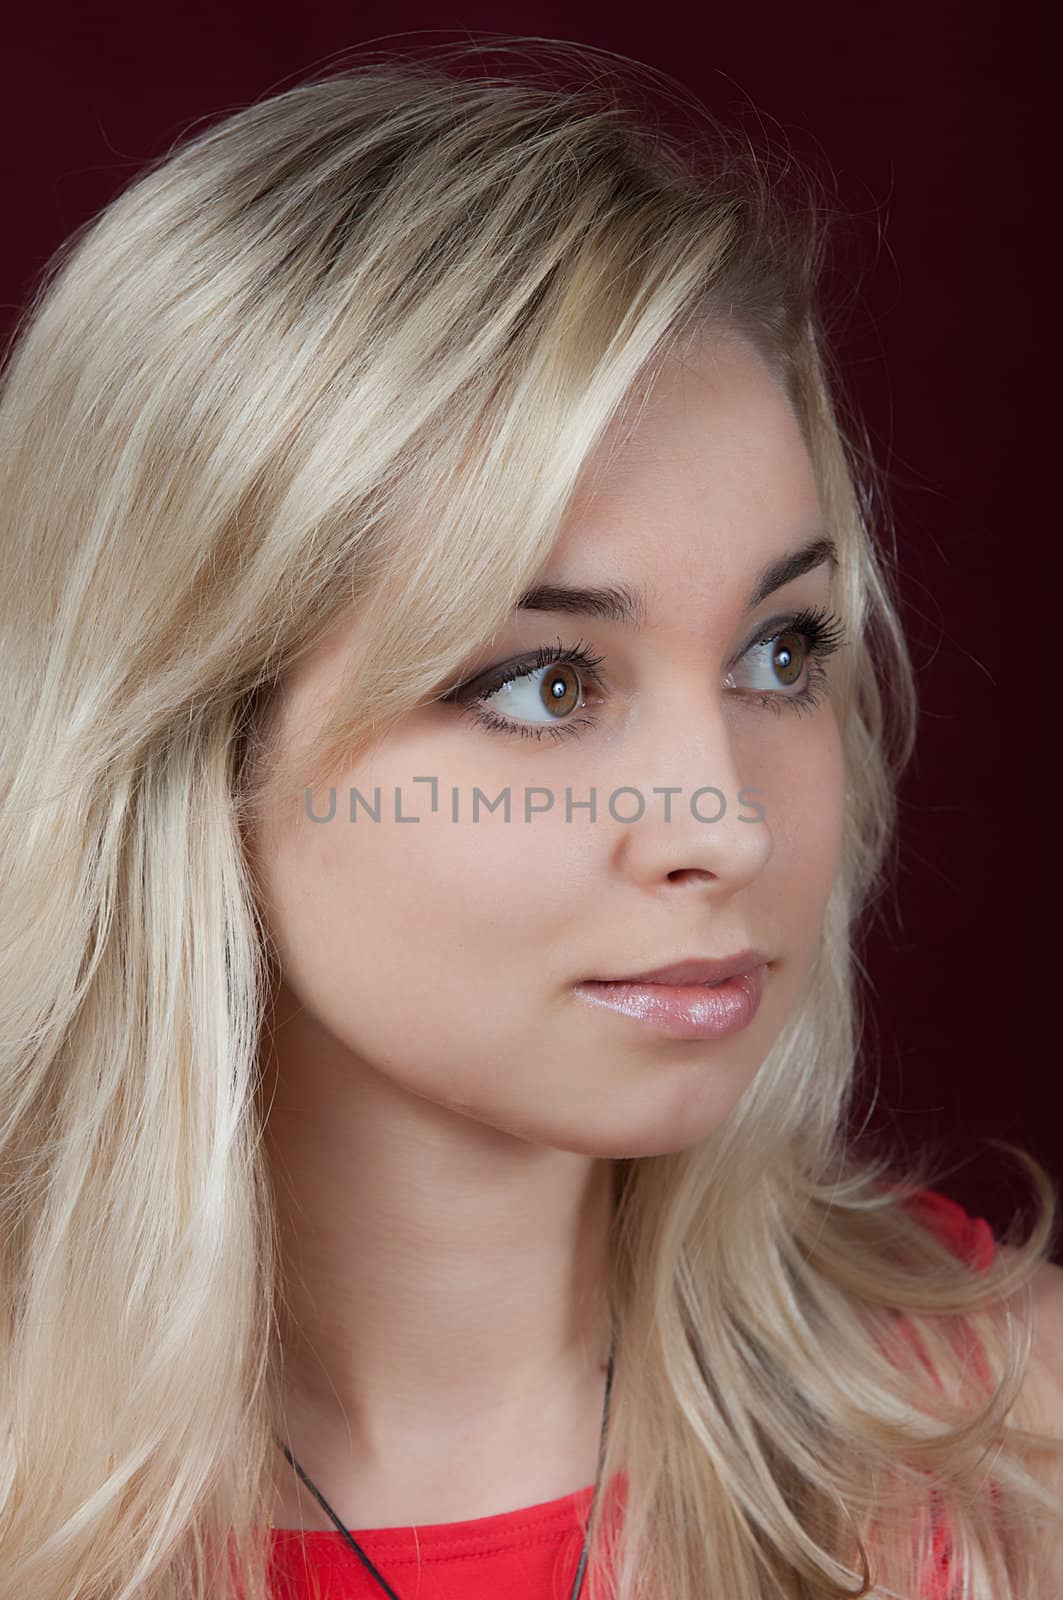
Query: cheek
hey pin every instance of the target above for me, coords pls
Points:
(811, 842)
(393, 935)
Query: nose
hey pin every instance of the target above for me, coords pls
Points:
(702, 821)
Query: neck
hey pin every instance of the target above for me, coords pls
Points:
(444, 1321)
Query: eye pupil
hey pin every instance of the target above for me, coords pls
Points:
(789, 662)
(561, 695)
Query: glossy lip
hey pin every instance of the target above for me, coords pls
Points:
(694, 970)
(698, 1010)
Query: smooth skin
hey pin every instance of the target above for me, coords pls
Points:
(444, 1109)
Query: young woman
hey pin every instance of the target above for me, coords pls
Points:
(453, 705)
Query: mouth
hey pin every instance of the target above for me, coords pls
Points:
(695, 1007)
(696, 972)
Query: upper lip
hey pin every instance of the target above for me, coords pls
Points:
(695, 969)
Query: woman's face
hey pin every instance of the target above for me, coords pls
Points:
(442, 958)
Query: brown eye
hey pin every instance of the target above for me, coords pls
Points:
(788, 662)
(554, 681)
(559, 691)
(788, 657)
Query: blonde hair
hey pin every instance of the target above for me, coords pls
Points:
(353, 345)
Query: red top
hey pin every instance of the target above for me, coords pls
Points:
(531, 1553)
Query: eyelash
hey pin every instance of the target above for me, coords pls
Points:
(823, 631)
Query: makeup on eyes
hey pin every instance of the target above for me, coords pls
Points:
(808, 635)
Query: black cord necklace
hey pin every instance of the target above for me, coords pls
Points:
(360, 1553)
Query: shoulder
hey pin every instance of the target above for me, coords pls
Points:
(1048, 1319)
(1040, 1302)
(1040, 1405)
(1043, 1386)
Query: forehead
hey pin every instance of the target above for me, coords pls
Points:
(705, 468)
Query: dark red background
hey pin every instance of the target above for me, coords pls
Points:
(932, 125)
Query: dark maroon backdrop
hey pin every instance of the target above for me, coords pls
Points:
(935, 131)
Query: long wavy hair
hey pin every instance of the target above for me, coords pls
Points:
(351, 346)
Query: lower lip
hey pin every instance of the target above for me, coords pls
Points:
(684, 1011)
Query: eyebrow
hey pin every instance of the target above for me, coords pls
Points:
(623, 604)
